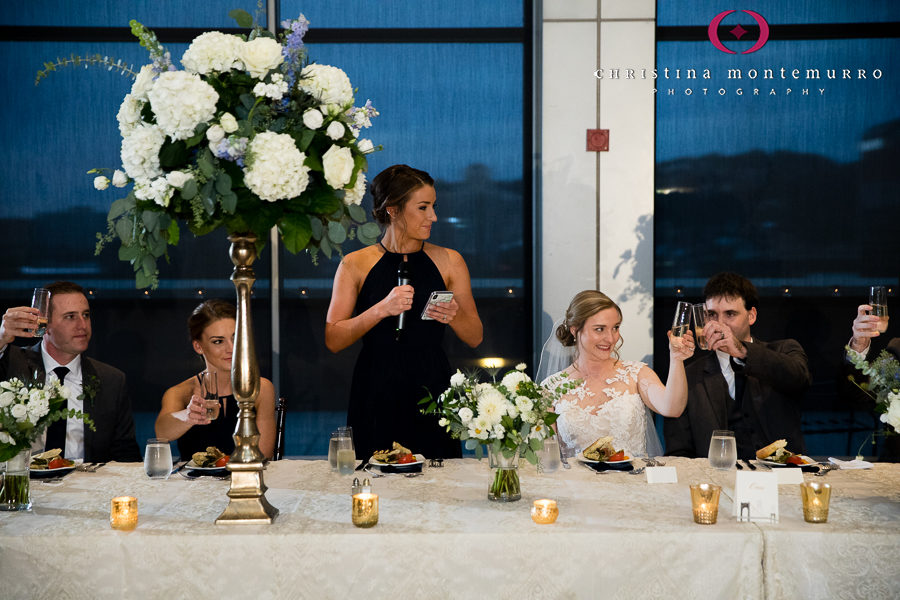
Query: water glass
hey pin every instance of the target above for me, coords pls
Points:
(878, 302)
(210, 389)
(548, 457)
(41, 301)
(681, 322)
(722, 450)
(158, 458)
(700, 318)
(340, 438)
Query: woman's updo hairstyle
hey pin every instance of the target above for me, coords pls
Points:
(583, 306)
(393, 187)
(209, 312)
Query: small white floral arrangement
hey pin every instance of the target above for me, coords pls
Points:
(247, 136)
(883, 384)
(27, 409)
(512, 415)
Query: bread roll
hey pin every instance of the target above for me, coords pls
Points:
(770, 449)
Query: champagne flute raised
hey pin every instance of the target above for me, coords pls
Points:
(878, 302)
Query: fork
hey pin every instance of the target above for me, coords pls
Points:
(824, 469)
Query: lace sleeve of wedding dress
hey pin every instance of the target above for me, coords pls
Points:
(554, 356)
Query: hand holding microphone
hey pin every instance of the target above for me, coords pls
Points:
(404, 277)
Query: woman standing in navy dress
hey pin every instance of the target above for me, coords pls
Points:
(393, 371)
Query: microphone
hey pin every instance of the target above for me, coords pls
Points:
(404, 277)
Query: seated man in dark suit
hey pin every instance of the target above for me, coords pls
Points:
(743, 384)
(866, 327)
(105, 397)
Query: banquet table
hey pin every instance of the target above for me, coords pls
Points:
(438, 536)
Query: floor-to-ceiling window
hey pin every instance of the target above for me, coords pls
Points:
(452, 81)
(778, 161)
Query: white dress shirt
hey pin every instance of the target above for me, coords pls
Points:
(727, 371)
(74, 449)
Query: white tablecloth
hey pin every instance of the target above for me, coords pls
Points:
(439, 537)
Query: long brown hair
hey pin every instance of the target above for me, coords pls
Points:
(393, 187)
(208, 312)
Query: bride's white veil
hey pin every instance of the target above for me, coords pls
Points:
(555, 357)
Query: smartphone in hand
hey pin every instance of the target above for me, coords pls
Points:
(436, 297)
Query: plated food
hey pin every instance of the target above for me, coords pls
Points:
(212, 458)
(51, 460)
(776, 454)
(603, 450)
(397, 455)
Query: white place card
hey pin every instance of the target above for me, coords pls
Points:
(661, 475)
(789, 475)
(756, 496)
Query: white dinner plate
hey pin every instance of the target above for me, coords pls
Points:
(419, 460)
(57, 472)
(771, 463)
(613, 463)
(192, 466)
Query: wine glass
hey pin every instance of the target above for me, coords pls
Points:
(158, 458)
(700, 318)
(41, 301)
(210, 389)
(878, 302)
(681, 322)
(722, 449)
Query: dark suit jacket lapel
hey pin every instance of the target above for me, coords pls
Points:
(89, 378)
(35, 362)
(716, 390)
(753, 393)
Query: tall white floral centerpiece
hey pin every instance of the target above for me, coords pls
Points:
(246, 136)
(512, 418)
(883, 384)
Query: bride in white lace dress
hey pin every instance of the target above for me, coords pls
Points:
(615, 397)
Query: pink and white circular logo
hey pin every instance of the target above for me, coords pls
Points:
(738, 32)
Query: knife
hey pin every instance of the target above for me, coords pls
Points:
(362, 465)
(179, 467)
(751, 465)
(738, 466)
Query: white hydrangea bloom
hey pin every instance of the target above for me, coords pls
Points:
(274, 90)
(129, 115)
(213, 51)
(261, 55)
(140, 151)
(181, 101)
(276, 170)
(143, 82)
(157, 190)
(329, 85)
(499, 431)
(355, 196)
(337, 163)
(892, 416)
(38, 408)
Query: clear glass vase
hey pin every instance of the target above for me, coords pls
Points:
(15, 489)
(504, 476)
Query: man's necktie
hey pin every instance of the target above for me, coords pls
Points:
(740, 381)
(56, 433)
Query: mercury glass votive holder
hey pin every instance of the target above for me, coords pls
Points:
(816, 497)
(123, 513)
(705, 503)
(365, 510)
(544, 512)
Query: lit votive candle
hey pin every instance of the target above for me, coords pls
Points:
(123, 513)
(705, 503)
(544, 512)
(365, 510)
(816, 497)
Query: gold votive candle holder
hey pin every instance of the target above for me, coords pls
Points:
(365, 510)
(123, 513)
(544, 512)
(816, 497)
(705, 503)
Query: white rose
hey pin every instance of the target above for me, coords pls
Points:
(520, 367)
(465, 414)
(499, 431)
(365, 146)
(335, 130)
(261, 55)
(177, 179)
(18, 412)
(457, 379)
(313, 118)
(101, 182)
(524, 404)
(120, 179)
(5, 438)
(6, 398)
(337, 163)
(215, 133)
(228, 123)
(442, 422)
